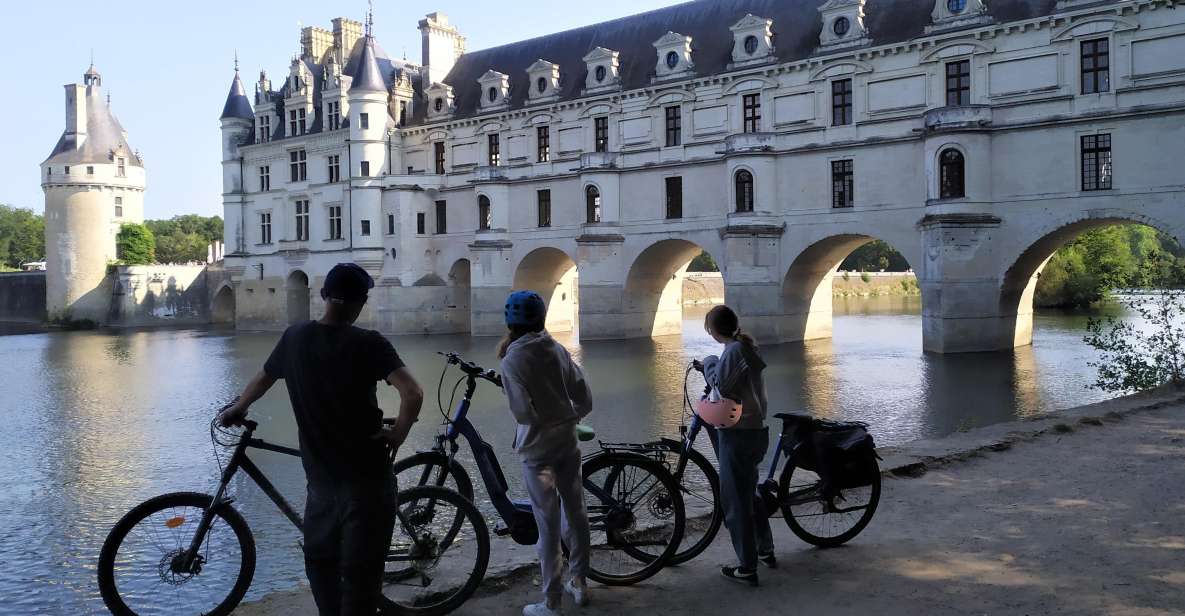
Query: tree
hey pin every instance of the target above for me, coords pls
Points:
(1138, 355)
(875, 256)
(22, 236)
(184, 238)
(1087, 269)
(135, 245)
(703, 262)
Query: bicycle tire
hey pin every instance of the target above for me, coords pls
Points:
(651, 564)
(689, 549)
(466, 510)
(825, 541)
(115, 538)
(463, 484)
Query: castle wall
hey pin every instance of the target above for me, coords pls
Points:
(146, 295)
(22, 297)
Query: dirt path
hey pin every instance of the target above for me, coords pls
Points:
(1085, 521)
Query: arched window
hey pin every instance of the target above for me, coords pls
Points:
(592, 203)
(951, 183)
(744, 189)
(484, 213)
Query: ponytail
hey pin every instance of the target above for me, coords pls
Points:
(745, 338)
(724, 321)
(514, 332)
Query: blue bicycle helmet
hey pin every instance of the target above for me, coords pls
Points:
(525, 309)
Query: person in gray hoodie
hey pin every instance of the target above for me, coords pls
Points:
(548, 396)
(736, 374)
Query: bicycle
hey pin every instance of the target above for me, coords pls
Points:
(193, 553)
(636, 513)
(817, 514)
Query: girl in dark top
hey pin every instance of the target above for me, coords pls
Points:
(736, 373)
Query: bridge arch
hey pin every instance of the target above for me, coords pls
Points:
(1018, 283)
(296, 288)
(551, 272)
(652, 297)
(807, 289)
(222, 308)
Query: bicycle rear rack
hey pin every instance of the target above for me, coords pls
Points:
(651, 450)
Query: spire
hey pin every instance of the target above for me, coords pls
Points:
(369, 18)
(237, 104)
(367, 76)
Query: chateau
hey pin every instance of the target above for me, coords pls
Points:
(592, 165)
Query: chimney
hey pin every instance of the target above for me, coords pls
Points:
(442, 45)
(76, 111)
(346, 33)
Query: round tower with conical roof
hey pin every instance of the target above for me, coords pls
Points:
(94, 183)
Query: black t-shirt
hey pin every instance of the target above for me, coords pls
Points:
(331, 372)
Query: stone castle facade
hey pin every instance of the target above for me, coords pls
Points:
(974, 136)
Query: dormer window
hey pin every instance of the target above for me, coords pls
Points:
(602, 66)
(495, 89)
(751, 44)
(949, 14)
(843, 24)
(541, 85)
(674, 56)
(752, 41)
(600, 74)
(438, 104)
(840, 26)
(672, 60)
(440, 97)
(492, 94)
(545, 77)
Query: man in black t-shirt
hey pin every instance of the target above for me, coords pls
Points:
(331, 368)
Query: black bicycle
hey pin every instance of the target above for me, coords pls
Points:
(634, 505)
(827, 492)
(190, 553)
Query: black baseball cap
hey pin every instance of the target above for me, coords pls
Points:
(347, 283)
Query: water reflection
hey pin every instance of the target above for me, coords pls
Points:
(97, 422)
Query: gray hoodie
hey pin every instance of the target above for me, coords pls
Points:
(737, 374)
(547, 394)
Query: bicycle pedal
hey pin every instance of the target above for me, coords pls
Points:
(501, 530)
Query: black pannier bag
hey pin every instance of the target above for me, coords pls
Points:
(842, 453)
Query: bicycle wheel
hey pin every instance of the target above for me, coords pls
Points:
(440, 549)
(433, 468)
(636, 517)
(701, 501)
(140, 566)
(822, 521)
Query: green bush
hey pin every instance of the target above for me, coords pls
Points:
(1141, 354)
(135, 245)
(865, 277)
(22, 237)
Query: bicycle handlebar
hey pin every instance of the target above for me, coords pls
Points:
(473, 370)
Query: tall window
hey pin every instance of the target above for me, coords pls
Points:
(1096, 66)
(421, 223)
(438, 154)
(302, 220)
(495, 147)
(744, 191)
(364, 121)
(333, 115)
(335, 169)
(441, 217)
(390, 224)
(335, 222)
(296, 122)
(544, 197)
(674, 197)
(265, 227)
(364, 168)
(1096, 162)
(364, 227)
(119, 207)
(265, 178)
(842, 184)
(601, 134)
(121, 167)
(291, 122)
(751, 106)
(674, 125)
(841, 102)
(958, 83)
(403, 113)
(543, 143)
(265, 128)
(951, 183)
(484, 213)
(300, 118)
(298, 166)
(592, 204)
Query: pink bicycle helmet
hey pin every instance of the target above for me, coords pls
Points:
(719, 413)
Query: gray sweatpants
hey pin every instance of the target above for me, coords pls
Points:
(740, 453)
(557, 498)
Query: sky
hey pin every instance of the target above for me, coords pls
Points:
(168, 66)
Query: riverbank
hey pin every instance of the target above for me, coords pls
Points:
(1076, 512)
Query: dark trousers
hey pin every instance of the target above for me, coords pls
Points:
(347, 531)
(739, 453)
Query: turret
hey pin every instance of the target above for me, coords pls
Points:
(369, 122)
(237, 118)
(94, 183)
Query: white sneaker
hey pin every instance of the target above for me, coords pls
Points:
(579, 592)
(541, 609)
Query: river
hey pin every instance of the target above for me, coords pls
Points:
(96, 422)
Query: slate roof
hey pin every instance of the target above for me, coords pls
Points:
(237, 104)
(796, 27)
(103, 135)
(366, 75)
